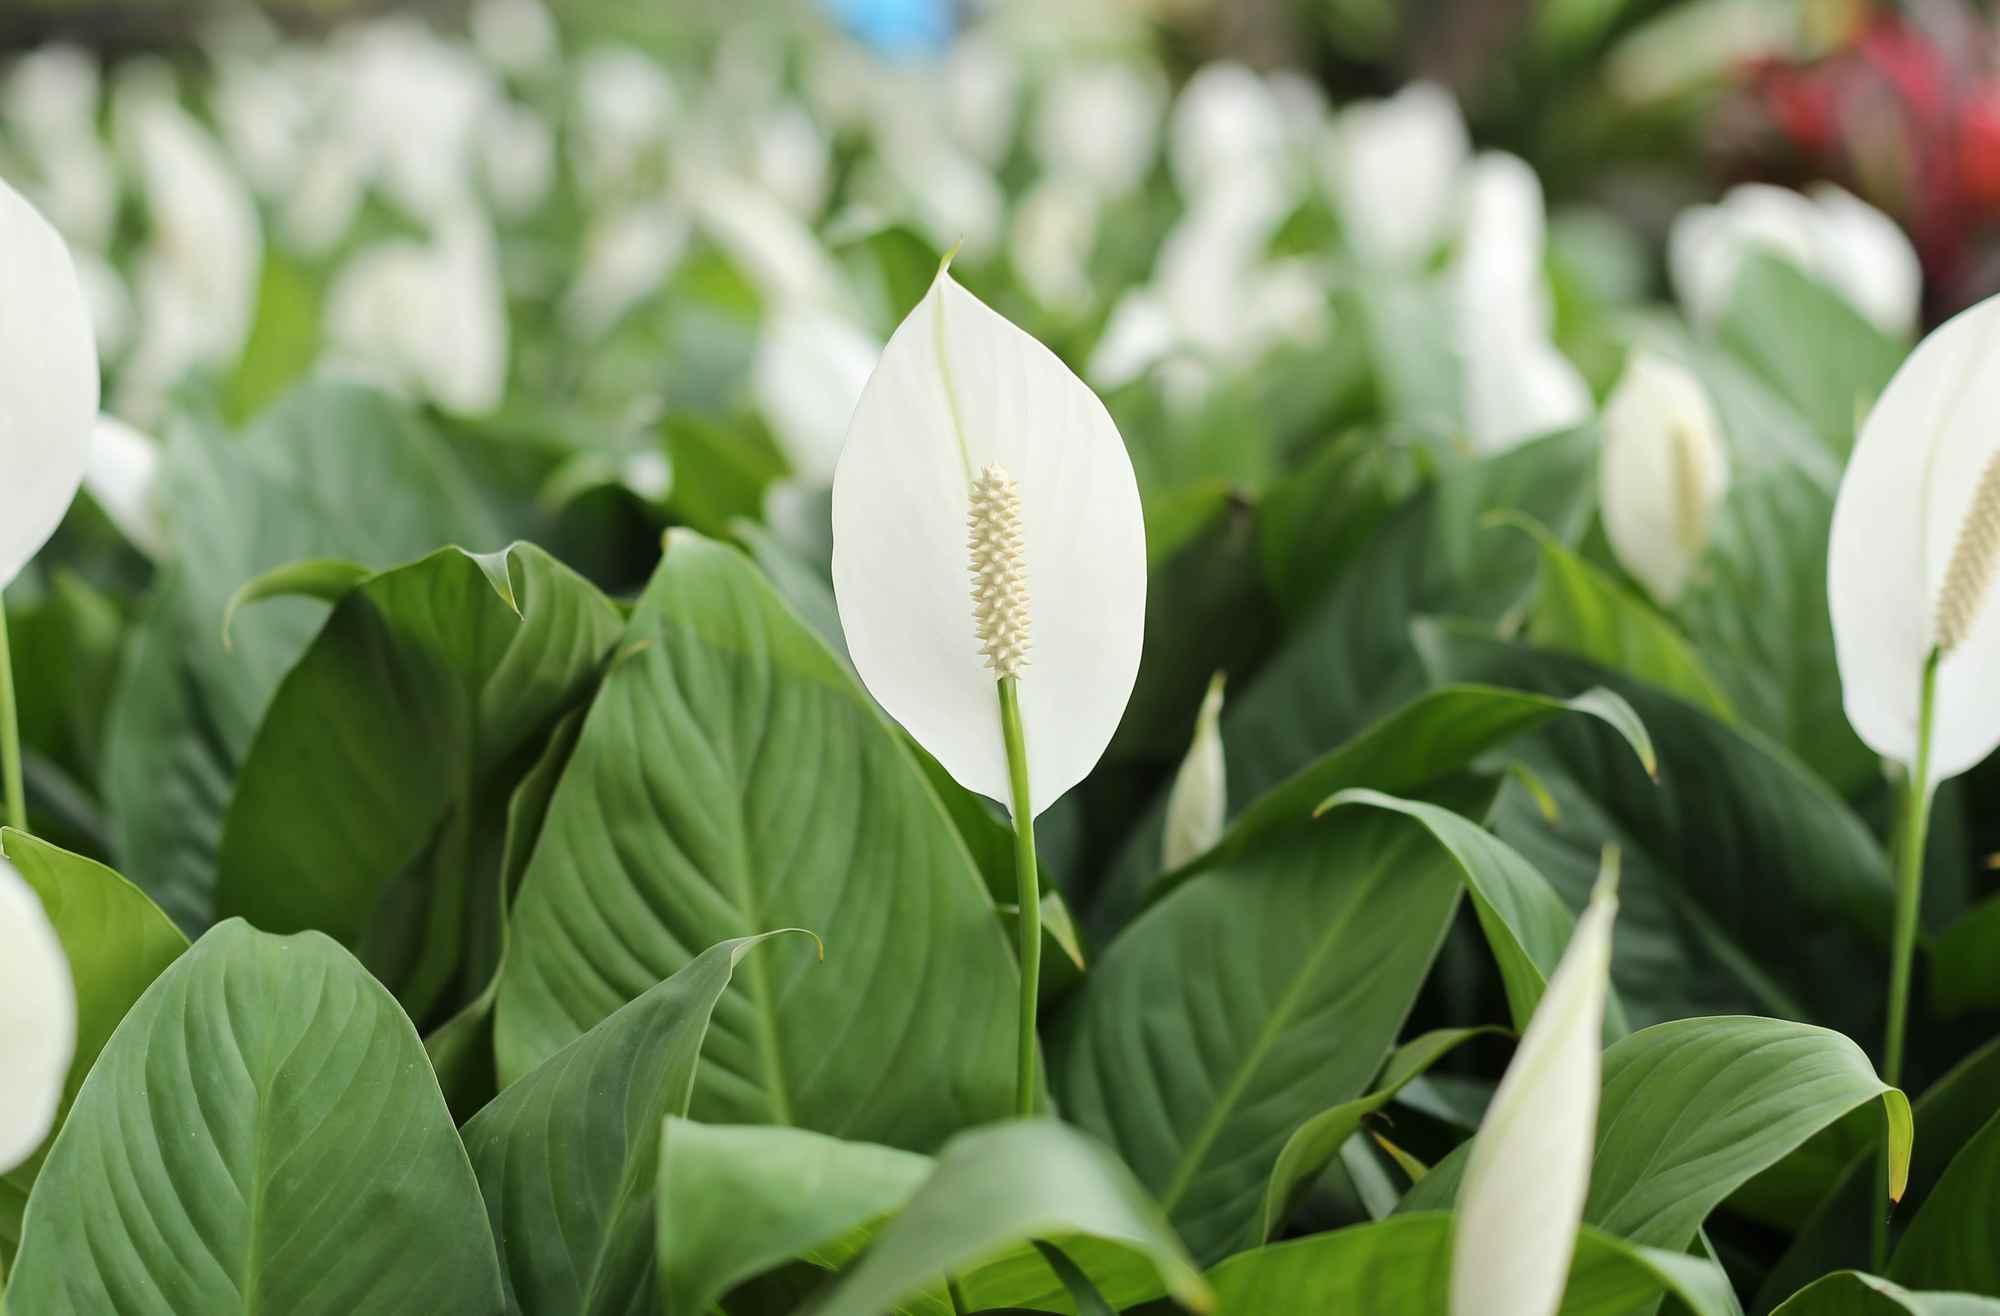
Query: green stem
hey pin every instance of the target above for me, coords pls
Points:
(10, 737)
(1030, 890)
(957, 1295)
(1912, 832)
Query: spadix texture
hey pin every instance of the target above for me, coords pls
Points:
(37, 1020)
(1525, 1182)
(960, 389)
(48, 382)
(1910, 563)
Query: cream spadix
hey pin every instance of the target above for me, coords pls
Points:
(1522, 1197)
(48, 382)
(970, 424)
(1914, 556)
(37, 1020)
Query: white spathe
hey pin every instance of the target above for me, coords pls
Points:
(810, 369)
(627, 255)
(959, 388)
(1518, 386)
(1393, 169)
(1198, 804)
(123, 476)
(1662, 473)
(1496, 271)
(1903, 506)
(1227, 124)
(1526, 1179)
(48, 382)
(37, 1020)
(770, 244)
(1832, 235)
(1098, 125)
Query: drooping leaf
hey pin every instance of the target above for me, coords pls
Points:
(1851, 1293)
(261, 1133)
(116, 941)
(443, 688)
(997, 1188)
(731, 776)
(567, 1157)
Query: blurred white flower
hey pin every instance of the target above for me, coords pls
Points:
(794, 161)
(123, 476)
(771, 246)
(320, 207)
(1832, 235)
(949, 195)
(196, 283)
(517, 154)
(77, 189)
(1393, 168)
(430, 318)
(110, 302)
(1496, 271)
(37, 1019)
(1226, 125)
(263, 108)
(415, 101)
(1521, 1200)
(810, 369)
(627, 256)
(48, 387)
(50, 97)
(982, 82)
(624, 107)
(1050, 245)
(515, 36)
(1913, 561)
(1662, 473)
(961, 396)
(1139, 333)
(1099, 125)
(1198, 804)
(1518, 387)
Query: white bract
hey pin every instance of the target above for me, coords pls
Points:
(1914, 556)
(627, 255)
(1832, 235)
(37, 1020)
(123, 476)
(959, 390)
(48, 383)
(811, 367)
(1393, 169)
(1227, 126)
(1662, 473)
(1098, 125)
(1199, 801)
(1525, 1182)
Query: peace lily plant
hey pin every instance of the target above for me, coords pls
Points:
(989, 560)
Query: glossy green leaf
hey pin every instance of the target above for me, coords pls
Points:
(1693, 1109)
(385, 835)
(1851, 1293)
(568, 1156)
(1311, 524)
(1248, 1000)
(332, 471)
(1733, 829)
(1402, 1267)
(116, 941)
(1954, 1240)
(260, 1134)
(732, 776)
(1965, 972)
(997, 1188)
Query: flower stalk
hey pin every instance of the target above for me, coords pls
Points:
(1028, 878)
(1914, 830)
(10, 737)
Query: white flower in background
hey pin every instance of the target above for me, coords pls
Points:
(946, 193)
(515, 36)
(37, 1019)
(1496, 272)
(48, 385)
(123, 476)
(196, 282)
(415, 102)
(1526, 1179)
(430, 318)
(1517, 388)
(1099, 125)
(793, 159)
(264, 109)
(627, 256)
(1198, 804)
(1662, 473)
(771, 246)
(517, 156)
(810, 369)
(111, 313)
(1051, 241)
(1139, 334)
(1832, 235)
(1393, 168)
(320, 208)
(50, 97)
(1226, 125)
(625, 104)
(1914, 556)
(982, 85)
(76, 186)
(962, 396)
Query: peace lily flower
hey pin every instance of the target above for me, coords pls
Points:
(1098, 125)
(1227, 125)
(1662, 474)
(516, 36)
(989, 562)
(1912, 567)
(627, 255)
(1831, 234)
(1199, 801)
(37, 1020)
(123, 477)
(810, 369)
(1522, 1197)
(1393, 169)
